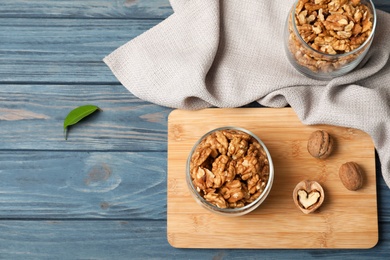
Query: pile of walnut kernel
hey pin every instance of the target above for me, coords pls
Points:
(330, 27)
(229, 168)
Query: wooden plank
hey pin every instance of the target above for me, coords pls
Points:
(82, 239)
(138, 239)
(126, 9)
(340, 223)
(80, 185)
(31, 117)
(382, 5)
(62, 50)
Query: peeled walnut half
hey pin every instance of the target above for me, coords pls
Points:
(308, 196)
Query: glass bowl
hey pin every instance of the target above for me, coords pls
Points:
(325, 52)
(229, 171)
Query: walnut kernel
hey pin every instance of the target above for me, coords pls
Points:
(322, 24)
(308, 196)
(229, 168)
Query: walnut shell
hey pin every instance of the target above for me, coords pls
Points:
(351, 176)
(308, 196)
(320, 144)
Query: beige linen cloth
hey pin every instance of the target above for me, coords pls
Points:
(230, 53)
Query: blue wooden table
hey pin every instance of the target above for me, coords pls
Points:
(102, 193)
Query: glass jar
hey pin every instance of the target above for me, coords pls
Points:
(264, 184)
(327, 44)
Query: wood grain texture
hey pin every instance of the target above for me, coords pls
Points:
(83, 185)
(86, 9)
(58, 199)
(138, 239)
(62, 50)
(382, 5)
(345, 220)
(31, 117)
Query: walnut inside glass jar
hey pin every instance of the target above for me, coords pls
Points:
(229, 168)
(330, 27)
(333, 26)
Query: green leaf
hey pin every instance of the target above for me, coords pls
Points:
(76, 115)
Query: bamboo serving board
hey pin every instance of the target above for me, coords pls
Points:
(346, 219)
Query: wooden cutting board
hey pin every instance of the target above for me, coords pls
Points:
(346, 219)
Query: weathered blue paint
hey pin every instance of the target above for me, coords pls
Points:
(102, 193)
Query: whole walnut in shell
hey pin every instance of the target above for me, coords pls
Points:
(320, 144)
(351, 176)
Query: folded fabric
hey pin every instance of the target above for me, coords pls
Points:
(230, 53)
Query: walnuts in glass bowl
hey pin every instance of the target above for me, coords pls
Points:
(325, 39)
(230, 171)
